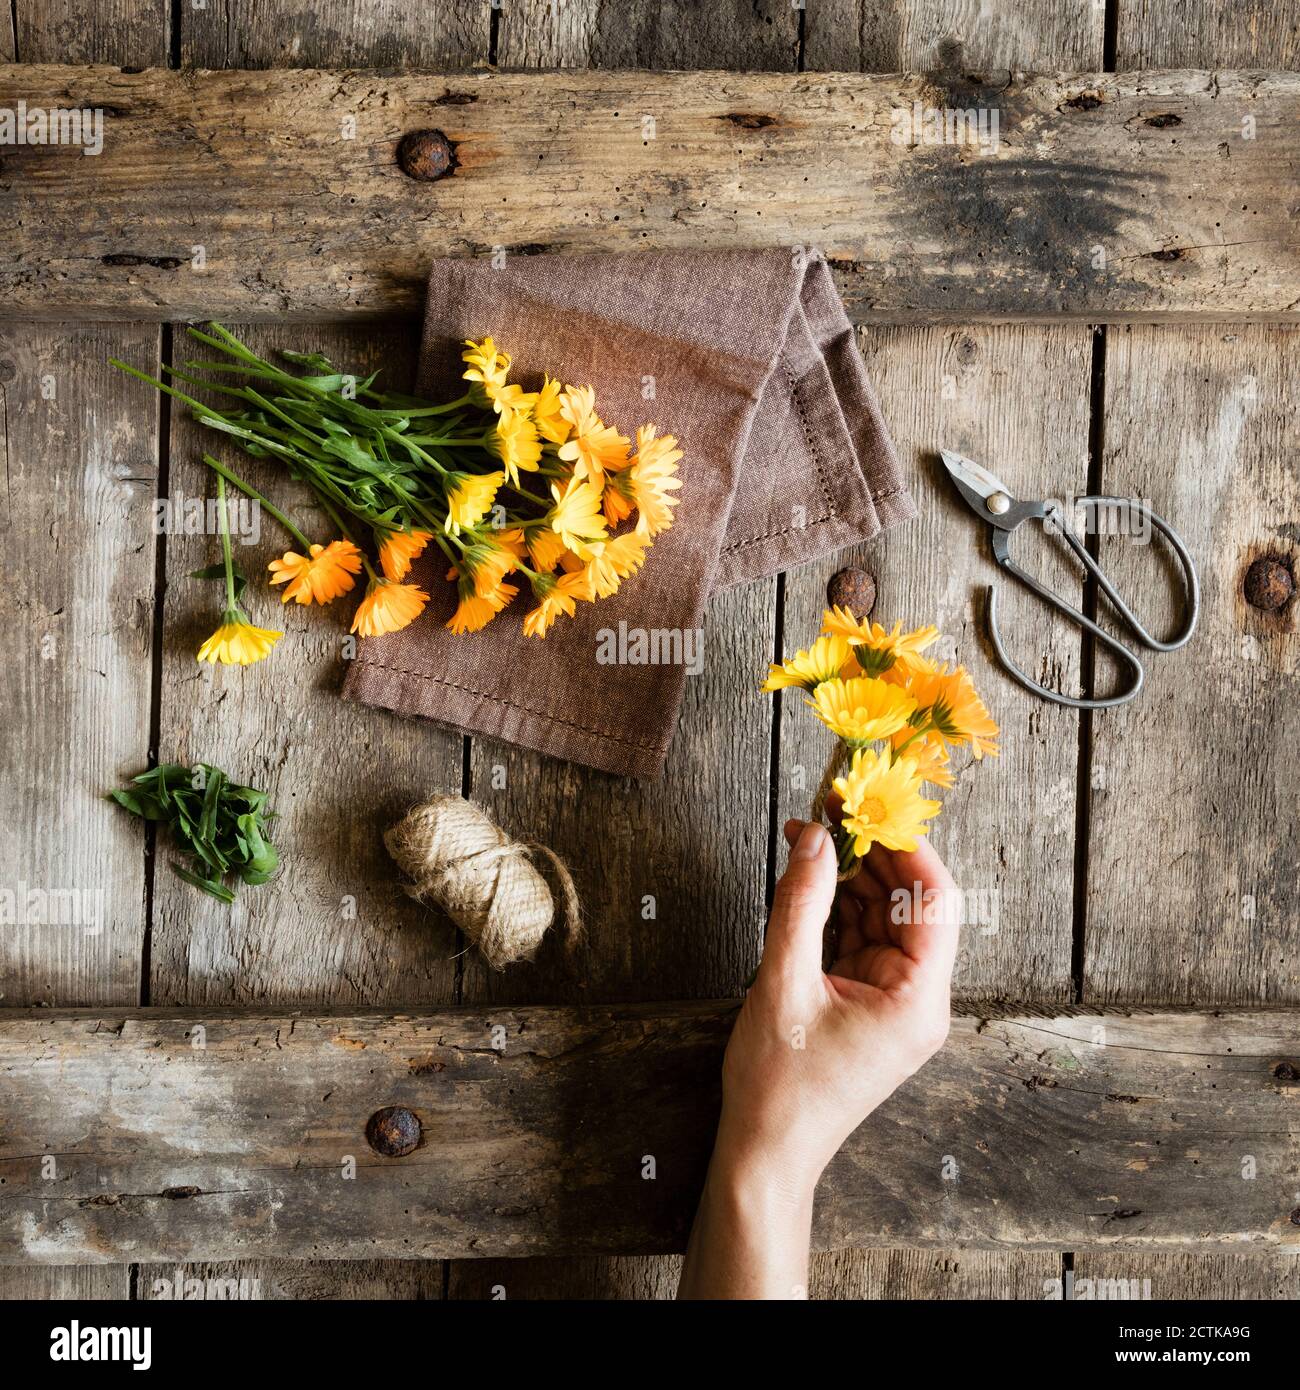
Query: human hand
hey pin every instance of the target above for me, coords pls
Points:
(813, 1053)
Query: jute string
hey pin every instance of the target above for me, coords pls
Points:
(460, 860)
(839, 760)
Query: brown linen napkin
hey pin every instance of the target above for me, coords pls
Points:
(749, 359)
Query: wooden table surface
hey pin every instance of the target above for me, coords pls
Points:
(1144, 856)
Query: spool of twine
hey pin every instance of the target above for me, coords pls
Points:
(460, 860)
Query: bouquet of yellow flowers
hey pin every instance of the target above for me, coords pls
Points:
(512, 485)
(895, 713)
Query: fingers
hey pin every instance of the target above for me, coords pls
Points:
(802, 903)
(928, 917)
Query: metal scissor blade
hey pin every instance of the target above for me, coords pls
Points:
(985, 493)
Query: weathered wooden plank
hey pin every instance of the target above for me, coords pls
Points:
(1193, 860)
(81, 462)
(134, 32)
(1218, 1278)
(954, 35)
(48, 1282)
(1230, 33)
(1015, 397)
(1094, 206)
(934, 1275)
(294, 34)
(743, 34)
(235, 1134)
(333, 927)
(313, 1281)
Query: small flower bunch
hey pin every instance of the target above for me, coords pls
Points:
(895, 713)
(513, 486)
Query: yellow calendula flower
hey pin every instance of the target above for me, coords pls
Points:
(883, 804)
(547, 415)
(475, 610)
(399, 548)
(876, 650)
(486, 368)
(651, 481)
(487, 562)
(954, 710)
(516, 443)
(555, 596)
(823, 661)
(929, 755)
(237, 642)
(469, 498)
(576, 517)
(388, 607)
(545, 548)
(594, 448)
(612, 562)
(320, 576)
(861, 709)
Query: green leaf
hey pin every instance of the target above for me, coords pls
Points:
(218, 571)
(213, 886)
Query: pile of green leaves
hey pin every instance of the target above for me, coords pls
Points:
(221, 825)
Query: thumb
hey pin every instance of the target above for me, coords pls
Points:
(801, 905)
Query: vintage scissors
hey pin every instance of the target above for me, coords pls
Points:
(991, 500)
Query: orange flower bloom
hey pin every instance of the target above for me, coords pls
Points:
(399, 549)
(475, 611)
(555, 596)
(388, 607)
(319, 577)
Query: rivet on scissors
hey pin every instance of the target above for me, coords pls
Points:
(998, 503)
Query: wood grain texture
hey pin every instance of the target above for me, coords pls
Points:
(333, 927)
(312, 1281)
(80, 460)
(953, 35)
(1196, 778)
(1015, 398)
(1031, 1133)
(50, 1282)
(1218, 1278)
(1229, 33)
(136, 33)
(335, 33)
(308, 223)
(743, 35)
(938, 1275)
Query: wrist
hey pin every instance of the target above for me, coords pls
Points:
(747, 1170)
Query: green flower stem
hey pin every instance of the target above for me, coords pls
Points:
(898, 752)
(224, 473)
(223, 525)
(532, 497)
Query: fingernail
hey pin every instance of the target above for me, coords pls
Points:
(809, 843)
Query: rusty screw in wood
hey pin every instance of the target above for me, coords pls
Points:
(393, 1131)
(1269, 584)
(854, 589)
(426, 155)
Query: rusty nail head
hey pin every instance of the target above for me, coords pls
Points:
(854, 589)
(425, 155)
(393, 1131)
(1269, 584)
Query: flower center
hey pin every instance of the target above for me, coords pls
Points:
(873, 810)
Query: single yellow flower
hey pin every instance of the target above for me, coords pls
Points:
(650, 480)
(555, 596)
(488, 561)
(545, 548)
(475, 610)
(955, 711)
(469, 498)
(237, 642)
(511, 399)
(929, 754)
(322, 575)
(876, 650)
(547, 415)
(613, 562)
(578, 408)
(823, 661)
(487, 368)
(882, 802)
(576, 516)
(399, 549)
(388, 607)
(861, 709)
(516, 443)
